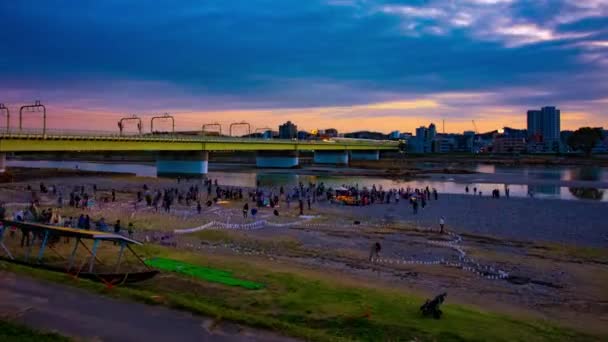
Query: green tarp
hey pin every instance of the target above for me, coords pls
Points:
(204, 273)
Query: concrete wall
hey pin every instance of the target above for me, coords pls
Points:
(365, 155)
(331, 157)
(277, 159)
(182, 163)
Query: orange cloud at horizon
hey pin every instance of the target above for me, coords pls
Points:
(404, 116)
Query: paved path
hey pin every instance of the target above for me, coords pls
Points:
(77, 313)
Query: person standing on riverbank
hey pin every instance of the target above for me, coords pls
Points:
(441, 224)
(374, 252)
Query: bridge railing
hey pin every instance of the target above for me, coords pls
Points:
(104, 135)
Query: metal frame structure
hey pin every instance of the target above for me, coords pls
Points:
(164, 116)
(8, 116)
(41, 235)
(121, 124)
(212, 125)
(242, 123)
(36, 106)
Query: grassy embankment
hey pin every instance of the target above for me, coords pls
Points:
(313, 305)
(14, 332)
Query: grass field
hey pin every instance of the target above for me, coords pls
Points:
(315, 305)
(14, 332)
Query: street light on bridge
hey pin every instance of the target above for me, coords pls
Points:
(162, 117)
(8, 116)
(121, 123)
(36, 107)
(242, 123)
(212, 125)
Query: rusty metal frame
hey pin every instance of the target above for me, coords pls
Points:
(242, 123)
(212, 125)
(8, 116)
(164, 116)
(36, 106)
(121, 124)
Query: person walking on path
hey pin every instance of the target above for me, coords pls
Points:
(441, 224)
(130, 230)
(245, 210)
(374, 252)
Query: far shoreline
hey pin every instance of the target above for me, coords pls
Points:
(432, 174)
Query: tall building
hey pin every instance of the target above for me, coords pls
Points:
(432, 132)
(422, 142)
(288, 130)
(544, 126)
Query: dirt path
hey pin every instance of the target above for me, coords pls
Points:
(74, 312)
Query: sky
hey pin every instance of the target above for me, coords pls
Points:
(347, 64)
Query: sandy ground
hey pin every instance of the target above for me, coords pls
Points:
(542, 244)
(581, 223)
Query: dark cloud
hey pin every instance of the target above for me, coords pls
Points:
(301, 53)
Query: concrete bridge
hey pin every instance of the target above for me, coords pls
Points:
(188, 155)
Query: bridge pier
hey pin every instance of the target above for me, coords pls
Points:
(365, 155)
(277, 159)
(2, 162)
(331, 157)
(185, 163)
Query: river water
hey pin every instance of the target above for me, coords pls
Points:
(447, 185)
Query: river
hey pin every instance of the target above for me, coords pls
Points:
(273, 178)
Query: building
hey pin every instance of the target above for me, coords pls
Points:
(444, 143)
(432, 132)
(506, 144)
(331, 132)
(394, 135)
(466, 142)
(515, 133)
(303, 135)
(288, 130)
(544, 127)
(422, 142)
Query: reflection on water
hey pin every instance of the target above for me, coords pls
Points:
(565, 173)
(556, 172)
(291, 178)
(585, 173)
(544, 189)
(138, 169)
(587, 193)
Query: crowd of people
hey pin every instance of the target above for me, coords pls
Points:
(210, 192)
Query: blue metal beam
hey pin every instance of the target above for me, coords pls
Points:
(43, 245)
(93, 254)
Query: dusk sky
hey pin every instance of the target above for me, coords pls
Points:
(347, 64)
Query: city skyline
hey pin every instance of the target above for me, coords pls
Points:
(350, 65)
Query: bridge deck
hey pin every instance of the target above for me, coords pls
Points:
(15, 142)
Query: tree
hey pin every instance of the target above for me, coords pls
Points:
(584, 139)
